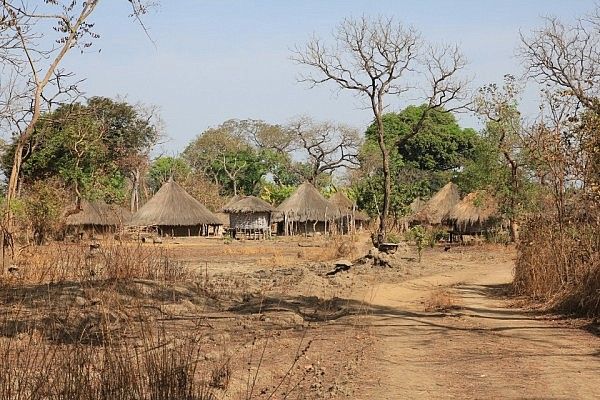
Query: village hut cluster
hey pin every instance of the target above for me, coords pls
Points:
(174, 212)
(477, 214)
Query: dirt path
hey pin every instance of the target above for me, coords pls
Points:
(482, 351)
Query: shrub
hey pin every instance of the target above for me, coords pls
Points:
(560, 263)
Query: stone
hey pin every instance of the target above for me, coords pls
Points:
(80, 301)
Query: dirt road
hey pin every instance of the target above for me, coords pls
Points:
(484, 350)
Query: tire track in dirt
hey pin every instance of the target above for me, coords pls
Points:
(484, 350)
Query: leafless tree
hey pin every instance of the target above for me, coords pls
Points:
(377, 58)
(35, 38)
(567, 56)
(565, 59)
(328, 146)
(554, 151)
(505, 128)
(267, 136)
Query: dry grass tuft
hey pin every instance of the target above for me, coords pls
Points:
(442, 300)
(345, 249)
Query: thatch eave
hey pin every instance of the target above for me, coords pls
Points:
(248, 205)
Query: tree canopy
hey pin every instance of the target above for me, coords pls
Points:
(422, 165)
(91, 147)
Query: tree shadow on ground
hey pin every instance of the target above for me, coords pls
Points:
(315, 309)
(92, 310)
(140, 289)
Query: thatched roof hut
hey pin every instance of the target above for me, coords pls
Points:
(98, 214)
(250, 215)
(307, 204)
(436, 210)
(344, 203)
(306, 210)
(475, 212)
(173, 209)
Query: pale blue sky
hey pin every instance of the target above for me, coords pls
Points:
(216, 60)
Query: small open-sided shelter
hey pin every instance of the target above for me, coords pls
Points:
(250, 216)
(352, 218)
(174, 212)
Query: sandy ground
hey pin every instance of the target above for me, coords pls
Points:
(484, 350)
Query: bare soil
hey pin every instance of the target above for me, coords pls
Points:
(289, 330)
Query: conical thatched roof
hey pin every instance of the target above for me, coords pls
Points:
(436, 210)
(99, 213)
(173, 206)
(231, 201)
(417, 205)
(248, 204)
(476, 208)
(340, 200)
(307, 204)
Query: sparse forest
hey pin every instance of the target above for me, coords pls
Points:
(302, 258)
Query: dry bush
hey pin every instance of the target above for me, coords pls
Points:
(345, 249)
(221, 375)
(158, 368)
(79, 263)
(441, 300)
(560, 264)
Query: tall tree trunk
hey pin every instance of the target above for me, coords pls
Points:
(381, 235)
(13, 180)
(135, 190)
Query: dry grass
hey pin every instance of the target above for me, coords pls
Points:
(74, 325)
(81, 323)
(441, 300)
(560, 265)
(155, 367)
(80, 263)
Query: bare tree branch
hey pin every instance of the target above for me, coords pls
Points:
(378, 57)
(328, 146)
